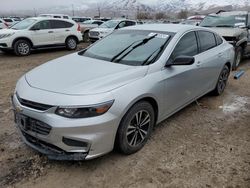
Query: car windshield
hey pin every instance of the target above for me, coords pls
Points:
(132, 47)
(23, 24)
(109, 24)
(224, 21)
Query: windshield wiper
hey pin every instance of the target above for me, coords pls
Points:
(144, 41)
(159, 50)
(224, 26)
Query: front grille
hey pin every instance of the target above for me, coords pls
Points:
(35, 126)
(94, 33)
(34, 105)
(41, 144)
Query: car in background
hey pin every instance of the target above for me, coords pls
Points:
(3, 24)
(16, 18)
(81, 19)
(191, 22)
(9, 21)
(62, 16)
(114, 92)
(234, 26)
(88, 25)
(40, 32)
(108, 27)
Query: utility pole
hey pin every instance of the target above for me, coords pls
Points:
(73, 10)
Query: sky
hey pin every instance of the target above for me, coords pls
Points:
(31, 4)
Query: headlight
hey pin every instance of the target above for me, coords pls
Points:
(6, 35)
(103, 32)
(84, 112)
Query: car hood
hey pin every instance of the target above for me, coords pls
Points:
(230, 32)
(79, 75)
(7, 31)
(99, 29)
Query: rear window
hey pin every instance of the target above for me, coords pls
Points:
(8, 20)
(207, 40)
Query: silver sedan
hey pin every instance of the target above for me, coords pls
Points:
(114, 92)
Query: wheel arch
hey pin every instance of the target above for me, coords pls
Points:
(73, 37)
(22, 38)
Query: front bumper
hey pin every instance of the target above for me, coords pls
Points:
(97, 134)
(5, 43)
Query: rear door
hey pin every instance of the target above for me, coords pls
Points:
(62, 30)
(209, 61)
(42, 33)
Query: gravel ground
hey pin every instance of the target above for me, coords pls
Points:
(207, 144)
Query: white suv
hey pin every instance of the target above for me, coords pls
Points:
(33, 33)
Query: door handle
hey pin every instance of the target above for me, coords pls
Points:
(198, 64)
(67, 30)
(51, 32)
(220, 54)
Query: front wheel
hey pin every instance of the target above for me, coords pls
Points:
(71, 43)
(135, 128)
(22, 48)
(222, 81)
(238, 57)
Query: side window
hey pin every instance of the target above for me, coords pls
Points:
(56, 16)
(121, 24)
(59, 24)
(218, 39)
(0, 21)
(65, 17)
(129, 23)
(207, 40)
(187, 46)
(43, 25)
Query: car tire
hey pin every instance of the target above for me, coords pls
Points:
(135, 128)
(86, 36)
(71, 43)
(238, 57)
(22, 48)
(222, 81)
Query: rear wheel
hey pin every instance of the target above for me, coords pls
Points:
(71, 43)
(22, 47)
(135, 128)
(238, 57)
(222, 81)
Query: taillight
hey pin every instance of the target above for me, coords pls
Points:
(79, 27)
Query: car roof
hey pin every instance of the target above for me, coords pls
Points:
(50, 18)
(173, 28)
(231, 13)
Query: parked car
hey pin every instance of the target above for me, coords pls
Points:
(62, 16)
(9, 21)
(3, 24)
(108, 27)
(81, 19)
(88, 25)
(191, 22)
(114, 92)
(16, 18)
(234, 27)
(39, 32)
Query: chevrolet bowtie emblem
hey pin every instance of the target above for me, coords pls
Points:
(19, 109)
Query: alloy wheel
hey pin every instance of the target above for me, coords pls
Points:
(72, 43)
(23, 48)
(138, 128)
(223, 80)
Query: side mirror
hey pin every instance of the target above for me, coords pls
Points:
(35, 29)
(182, 60)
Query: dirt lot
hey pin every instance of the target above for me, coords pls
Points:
(205, 145)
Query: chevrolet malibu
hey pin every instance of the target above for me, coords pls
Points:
(114, 92)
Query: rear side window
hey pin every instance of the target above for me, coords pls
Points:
(187, 46)
(207, 40)
(218, 40)
(129, 23)
(58, 24)
(65, 17)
